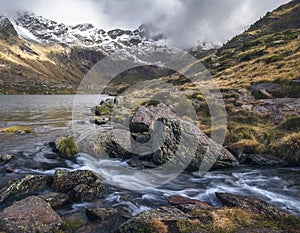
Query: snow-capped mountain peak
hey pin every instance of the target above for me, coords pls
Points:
(41, 30)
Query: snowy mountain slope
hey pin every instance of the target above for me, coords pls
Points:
(46, 31)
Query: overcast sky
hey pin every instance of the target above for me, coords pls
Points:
(184, 21)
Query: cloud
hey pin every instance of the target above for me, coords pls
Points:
(184, 21)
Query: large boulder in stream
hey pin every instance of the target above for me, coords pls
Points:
(31, 214)
(83, 185)
(150, 125)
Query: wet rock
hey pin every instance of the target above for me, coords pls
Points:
(65, 180)
(86, 193)
(161, 220)
(30, 184)
(30, 215)
(251, 204)
(179, 200)
(55, 200)
(83, 185)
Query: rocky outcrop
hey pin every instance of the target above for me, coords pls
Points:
(28, 185)
(30, 215)
(7, 30)
(265, 90)
(150, 125)
(251, 204)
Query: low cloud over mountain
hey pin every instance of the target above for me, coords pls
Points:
(184, 21)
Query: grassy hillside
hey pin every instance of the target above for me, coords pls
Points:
(29, 67)
(258, 73)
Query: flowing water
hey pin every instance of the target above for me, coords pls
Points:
(51, 117)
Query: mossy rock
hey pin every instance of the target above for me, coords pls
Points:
(289, 149)
(101, 110)
(17, 130)
(66, 147)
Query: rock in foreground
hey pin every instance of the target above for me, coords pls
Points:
(30, 215)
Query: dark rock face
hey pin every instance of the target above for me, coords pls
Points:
(149, 125)
(56, 200)
(7, 30)
(25, 186)
(83, 185)
(250, 204)
(29, 215)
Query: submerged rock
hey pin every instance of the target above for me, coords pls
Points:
(5, 158)
(31, 214)
(251, 204)
(21, 130)
(30, 184)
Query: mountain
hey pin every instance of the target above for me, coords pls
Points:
(42, 56)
